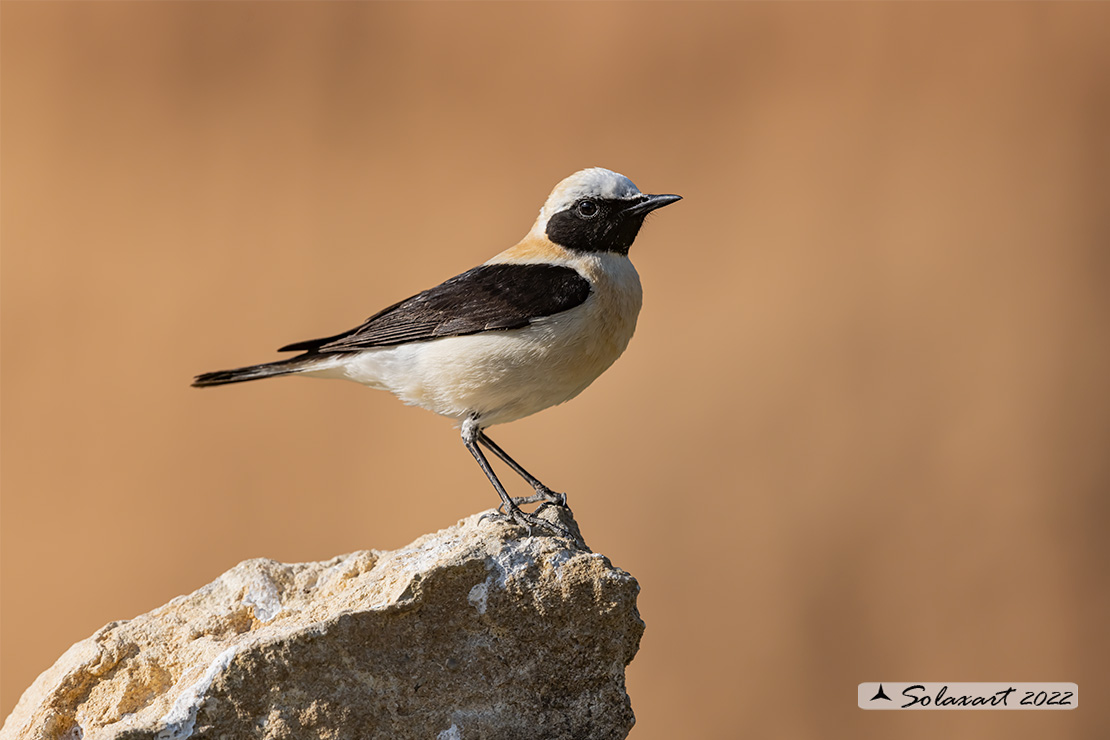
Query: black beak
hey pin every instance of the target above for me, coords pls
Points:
(648, 203)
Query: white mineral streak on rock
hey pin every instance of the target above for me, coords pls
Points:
(451, 733)
(479, 595)
(179, 722)
(264, 596)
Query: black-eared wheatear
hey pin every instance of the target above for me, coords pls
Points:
(529, 329)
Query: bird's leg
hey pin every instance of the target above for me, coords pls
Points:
(470, 433)
(543, 493)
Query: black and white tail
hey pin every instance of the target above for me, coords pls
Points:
(253, 372)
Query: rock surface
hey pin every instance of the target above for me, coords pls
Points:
(476, 631)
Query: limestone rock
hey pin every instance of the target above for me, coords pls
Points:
(476, 631)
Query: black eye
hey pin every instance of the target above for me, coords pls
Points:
(586, 208)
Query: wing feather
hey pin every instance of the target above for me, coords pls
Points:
(495, 297)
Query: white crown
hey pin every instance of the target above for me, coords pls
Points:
(595, 182)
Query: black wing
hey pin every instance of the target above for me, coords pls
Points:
(487, 298)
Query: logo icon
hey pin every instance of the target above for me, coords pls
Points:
(881, 694)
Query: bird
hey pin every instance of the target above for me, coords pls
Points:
(529, 329)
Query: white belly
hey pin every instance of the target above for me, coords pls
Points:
(506, 375)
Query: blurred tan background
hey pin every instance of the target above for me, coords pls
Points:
(861, 434)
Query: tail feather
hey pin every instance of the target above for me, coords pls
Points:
(253, 372)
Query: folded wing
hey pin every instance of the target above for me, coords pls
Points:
(493, 297)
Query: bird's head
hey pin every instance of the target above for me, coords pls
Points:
(596, 210)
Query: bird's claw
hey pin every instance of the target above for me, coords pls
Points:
(542, 494)
(528, 521)
(552, 497)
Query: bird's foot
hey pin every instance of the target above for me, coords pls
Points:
(522, 518)
(544, 494)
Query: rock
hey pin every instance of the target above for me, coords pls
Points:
(476, 631)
